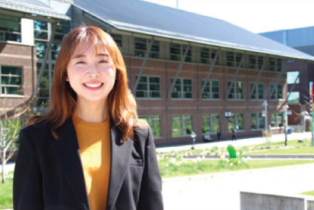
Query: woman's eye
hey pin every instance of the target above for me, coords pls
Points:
(80, 62)
(103, 61)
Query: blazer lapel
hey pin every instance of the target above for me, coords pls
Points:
(68, 152)
(120, 156)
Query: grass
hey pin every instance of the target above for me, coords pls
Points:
(311, 193)
(173, 168)
(6, 193)
(275, 148)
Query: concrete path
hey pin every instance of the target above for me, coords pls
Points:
(221, 191)
(237, 143)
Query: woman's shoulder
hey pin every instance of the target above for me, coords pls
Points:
(36, 128)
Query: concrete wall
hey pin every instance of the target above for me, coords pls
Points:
(261, 201)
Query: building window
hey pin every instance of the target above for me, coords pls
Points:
(141, 45)
(294, 98)
(260, 61)
(252, 61)
(10, 28)
(271, 64)
(236, 121)
(292, 76)
(181, 125)
(277, 93)
(42, 33)
(11, 80)
(258, 92)
(238, 59)
(182, 88)
(211, 90)
(258, 121)
(208, 55)
(177, 51)
(236, 91)
(118, 39)
(154, 123)
(210, 123)
(230, 58)
(276, 119)
(279, 65)
(148, 87)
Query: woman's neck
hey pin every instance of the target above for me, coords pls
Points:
(94, 112)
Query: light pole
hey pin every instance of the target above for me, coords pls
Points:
(286, 123)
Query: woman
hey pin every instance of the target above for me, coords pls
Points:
(89, 151)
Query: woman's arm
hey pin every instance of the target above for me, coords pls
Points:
(150, 195)
(27, 184)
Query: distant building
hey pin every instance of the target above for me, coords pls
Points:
(302, 40)
(187, 71)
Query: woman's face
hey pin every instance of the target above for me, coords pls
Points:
(91, 73)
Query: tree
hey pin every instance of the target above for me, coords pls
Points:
(9, 131)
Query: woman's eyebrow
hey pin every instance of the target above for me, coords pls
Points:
(102, 54)
(79, 56)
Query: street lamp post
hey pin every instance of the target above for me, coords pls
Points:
(286, 123)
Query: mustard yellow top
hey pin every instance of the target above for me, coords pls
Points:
(94, 144)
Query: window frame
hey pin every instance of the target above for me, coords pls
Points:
(235, 94)
(182, 92)
(5, 32)
(148, 83)
(148, 119)
(210, 92)
(10, 85)
(182, 124)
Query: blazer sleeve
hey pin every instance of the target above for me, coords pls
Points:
(150, 194)
(27, 187)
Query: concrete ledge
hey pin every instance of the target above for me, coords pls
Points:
(265, 201)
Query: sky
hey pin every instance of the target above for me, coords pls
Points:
(253, 15)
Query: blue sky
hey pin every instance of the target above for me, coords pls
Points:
(254, 15)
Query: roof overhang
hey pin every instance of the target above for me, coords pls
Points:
(31, 11)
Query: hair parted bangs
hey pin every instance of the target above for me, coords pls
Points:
(121, 103)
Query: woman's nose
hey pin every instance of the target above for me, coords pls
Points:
(93, 71)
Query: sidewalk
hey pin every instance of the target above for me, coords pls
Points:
(237, 143)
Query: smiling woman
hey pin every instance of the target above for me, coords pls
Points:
(90, 150)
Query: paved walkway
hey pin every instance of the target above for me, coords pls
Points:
(237, 143)
(221, 191)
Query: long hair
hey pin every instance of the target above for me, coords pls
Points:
(121, 103)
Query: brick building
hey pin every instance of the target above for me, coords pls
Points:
(187, 71)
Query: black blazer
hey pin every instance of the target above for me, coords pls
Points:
(49, 174)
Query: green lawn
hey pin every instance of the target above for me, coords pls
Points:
(308, 193)
(188, 167)
(6, 195)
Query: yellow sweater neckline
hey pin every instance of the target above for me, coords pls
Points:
(79, 122)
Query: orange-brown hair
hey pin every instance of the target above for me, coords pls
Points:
(121, 103)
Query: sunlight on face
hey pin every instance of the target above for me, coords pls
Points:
(91, 72)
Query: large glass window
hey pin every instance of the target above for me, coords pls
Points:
(271, 64)
(10, 28)
(258, 121)
(292, 76)
(236, 121)
(42, 32)
(211, 90)
(208, 55)
(141, 45)
(178, 50)
(252, 61)
(277, 93)
(148, 87)
(155, 124)
(182, 88)
(211, 123)
(118, 39)
(236, 91)
(230, 58)
(11, 80)
(276, 119)
(181, 125)
(294, 97)
(258, 92)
